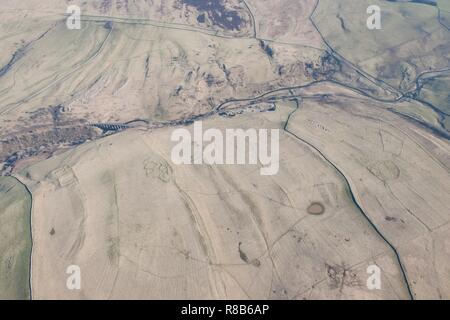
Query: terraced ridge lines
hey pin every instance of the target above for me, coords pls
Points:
(20, 53)
(12, 106)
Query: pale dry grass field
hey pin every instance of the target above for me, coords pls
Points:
(86, 118)
(141, 227)
(400, 175)
(286, 21)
